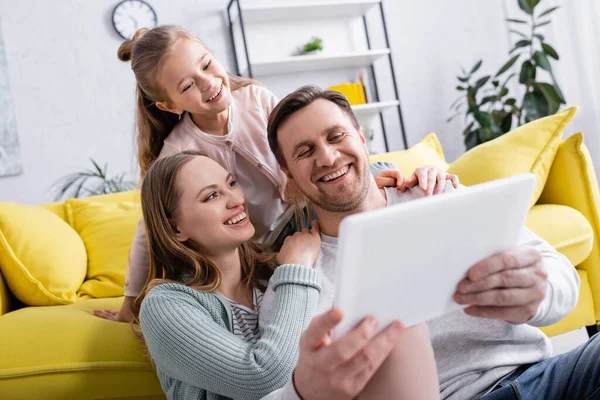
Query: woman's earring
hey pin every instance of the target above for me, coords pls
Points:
(180, 117)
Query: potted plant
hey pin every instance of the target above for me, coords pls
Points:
(489, 107)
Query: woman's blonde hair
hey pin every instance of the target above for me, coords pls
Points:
(177, 262)
(147, 52)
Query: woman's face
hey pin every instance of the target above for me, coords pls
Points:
(212, 213)
(193, 80)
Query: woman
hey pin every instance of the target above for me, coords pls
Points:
(199, 312)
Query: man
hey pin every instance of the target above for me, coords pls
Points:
(492, 349)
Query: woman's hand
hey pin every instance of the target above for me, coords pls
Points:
(301, 248)
(431, 180)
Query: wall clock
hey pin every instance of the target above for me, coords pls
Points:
(131, 15)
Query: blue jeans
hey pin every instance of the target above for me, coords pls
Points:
(292, 227)
(573, 375)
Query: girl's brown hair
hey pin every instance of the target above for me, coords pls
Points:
(174, 261)
(147, 52)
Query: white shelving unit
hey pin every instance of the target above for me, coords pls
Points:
(308, 63)
(307, 11)
(254, 16)
(372, 109)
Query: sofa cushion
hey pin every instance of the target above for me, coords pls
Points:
(572, 182)
(529, 148)
(43, 260)
(107, 230)
(565, 228)
(427, 152)
(64, 352)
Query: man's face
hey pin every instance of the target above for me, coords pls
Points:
(326, 156)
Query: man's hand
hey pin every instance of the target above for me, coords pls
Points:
(340, 370)
(509, 286)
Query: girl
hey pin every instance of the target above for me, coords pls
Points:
(186, 101)
(198, 313)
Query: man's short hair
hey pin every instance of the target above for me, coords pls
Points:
(296, 101)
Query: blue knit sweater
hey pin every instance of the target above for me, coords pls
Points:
(189, 336)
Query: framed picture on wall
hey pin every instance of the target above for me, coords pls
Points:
(10, 155)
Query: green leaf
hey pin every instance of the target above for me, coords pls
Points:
(535, 106)
(549, 50)
(520, 44)
(485, 135)
(557, 88)
(476, 66)
(541, 24)
(460, 88)
(542, 61)
(463, 79)
(516, 21)
(528, 72)
(496, 83)
(480, 82)
(488, 99)
(506, 123)
(540, 36)
(503, 92)
(525, 6)
(548, 91)
(548, 11)
(456, 102)
(508, 64)
(484, 118)
(471, 139)
(468, 128)
(533, 3)
(518, 33)
(510, 102)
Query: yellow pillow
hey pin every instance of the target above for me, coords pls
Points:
(529, 148)
(107, 230)
(43, 260)
(427, 152)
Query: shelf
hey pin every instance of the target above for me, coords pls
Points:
(308, 11)
(317, 62)
(371, 109)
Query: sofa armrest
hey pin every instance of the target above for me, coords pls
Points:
(572, 182)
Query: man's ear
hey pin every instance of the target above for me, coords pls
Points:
(361, 135)
(164, 106)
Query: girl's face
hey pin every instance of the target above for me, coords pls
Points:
(193, 80)
(212, 212)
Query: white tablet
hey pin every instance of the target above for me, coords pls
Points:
(405, 261)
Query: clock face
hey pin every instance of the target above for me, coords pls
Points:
(131, 15)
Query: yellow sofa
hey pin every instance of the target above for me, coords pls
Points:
(63, 352)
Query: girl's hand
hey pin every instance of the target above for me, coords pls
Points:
(431, 180)
(302, 248)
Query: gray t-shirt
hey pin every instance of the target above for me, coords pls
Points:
(472, 354)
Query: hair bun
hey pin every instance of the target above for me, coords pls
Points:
(126, 48)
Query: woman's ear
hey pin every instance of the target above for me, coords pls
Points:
(180, 236)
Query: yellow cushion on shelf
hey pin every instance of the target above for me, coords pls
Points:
(107, 229)
(427, 152)
(565, 228)
(573, 182)
(43, 260)
(529, 148)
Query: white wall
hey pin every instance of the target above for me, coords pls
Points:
(74, 99)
